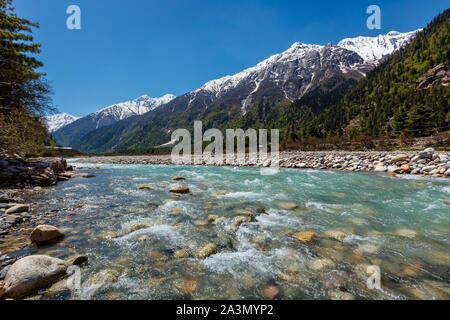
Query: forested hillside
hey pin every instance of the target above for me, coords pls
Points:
(388, 102)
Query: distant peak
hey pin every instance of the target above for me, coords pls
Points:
(376, 48)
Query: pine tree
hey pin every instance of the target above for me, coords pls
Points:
(24, 93)
(421, 121)
(22, 88)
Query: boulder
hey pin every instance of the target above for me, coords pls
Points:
(180, 190)
(29, 274)
(18, 209)
(45, 233)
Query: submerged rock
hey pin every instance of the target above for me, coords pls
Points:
(144, 188)
(178, 178)
(29, 274)
(103, 277)
(336, 235)
(306, 236)
(320, 263)
(341, 295)
(45, 233)
(181, 254)
(206, 251)
(270, 292)
(288, 205)
(406, 233)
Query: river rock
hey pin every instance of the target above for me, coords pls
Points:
(320, 263)
(428, 168)
(341, 295)
(336, 235)
(18, 209)
(180, 190)
(77, 260)
(103, 277)
(306, 236)
(180, 254)
(45, 233)
(400, 157)
(29, 274)
(381, 169)
(270, 292)
(178, 178)
(144, 188)
(425, 155)
(206, 251)
(406, 168)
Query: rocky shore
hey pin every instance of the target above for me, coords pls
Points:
(424, 163)
(17, 173)
(24, 274)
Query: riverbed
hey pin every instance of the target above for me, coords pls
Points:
(146, 243)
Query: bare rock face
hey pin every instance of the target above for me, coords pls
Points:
(45, 233)
(435, 76)
(29, 274)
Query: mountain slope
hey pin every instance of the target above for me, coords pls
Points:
(389, 102)
(57, 121)
(276, 81)
(69, 134)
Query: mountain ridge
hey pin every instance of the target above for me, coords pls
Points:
(279, 79)
(109, 115)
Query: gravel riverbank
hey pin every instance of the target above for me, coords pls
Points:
(425, 163)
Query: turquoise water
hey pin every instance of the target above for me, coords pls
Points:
(401, 225)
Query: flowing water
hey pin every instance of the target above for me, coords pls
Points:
(133, 237)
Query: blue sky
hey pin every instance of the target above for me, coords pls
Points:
(129, 48)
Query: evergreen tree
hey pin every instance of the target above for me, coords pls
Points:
(22, 88)
(421, 121)
(24, 93)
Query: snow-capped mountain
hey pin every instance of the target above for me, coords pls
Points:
(376, 48)
(57, 121)
(283, 77)
(120, 111)
(108, 116)
(301, 68)
(291, 73)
